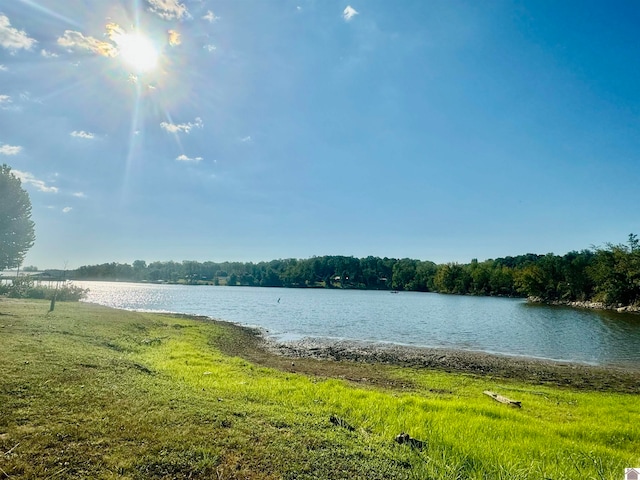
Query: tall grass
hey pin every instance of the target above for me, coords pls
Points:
(558, 433)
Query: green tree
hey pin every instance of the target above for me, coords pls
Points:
(616, 273)
(404, 272)
(423, 280)
(16, 227)
(140, 269)
(452, 278)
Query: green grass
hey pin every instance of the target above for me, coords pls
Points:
(90, 392)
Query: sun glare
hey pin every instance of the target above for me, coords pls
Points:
(137, 51)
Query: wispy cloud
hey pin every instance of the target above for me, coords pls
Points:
(5, 99)
(3, 68)
(210, 48)
(10, 149)
(246, 139)
(80, 195)
(184, 158)
(76, 40)
(82, 134)
(66, 209)
(168, 9)
(28, 179)
(48, 54)
(174, 38)
(349, 13)
(210, 17)
(182, 127)
(13, 39)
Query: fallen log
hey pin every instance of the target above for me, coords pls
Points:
(501, 399)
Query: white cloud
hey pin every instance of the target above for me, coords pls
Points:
(72, 39)
(48, 54)
(349, 13)
(168, 9)
(80, 195)
(246, 139)
(3, 68)
(12, 38)
(5, 99)
(210, 48)
(210, 17)
(10, 149)
(174, 38)
(184, 158)
(83, 134)
(66, 209)
(29, 179)
(182, 127)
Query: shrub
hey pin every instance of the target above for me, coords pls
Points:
(23, 287)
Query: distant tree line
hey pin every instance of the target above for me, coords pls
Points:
(609, 274)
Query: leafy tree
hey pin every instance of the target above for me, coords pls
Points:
(530, 281)
(425, 273)
(140, 269)
(452, 278)
(404, 271)
(481, 276)
(16, 227)
(616, 273)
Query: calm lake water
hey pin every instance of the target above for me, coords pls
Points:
(495, 325)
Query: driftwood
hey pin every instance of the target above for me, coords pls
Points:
(405, 438)
(501, 399)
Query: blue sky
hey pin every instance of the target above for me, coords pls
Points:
(252, 130)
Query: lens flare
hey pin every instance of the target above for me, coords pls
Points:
(137, 51)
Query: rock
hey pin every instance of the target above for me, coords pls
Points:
(405, 438)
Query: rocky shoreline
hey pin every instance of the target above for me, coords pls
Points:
(588, 305)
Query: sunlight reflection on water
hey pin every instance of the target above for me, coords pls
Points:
(495, 325)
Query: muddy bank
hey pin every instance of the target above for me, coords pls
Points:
(361, 361)
(531, 370)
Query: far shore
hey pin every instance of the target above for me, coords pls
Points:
(587, 304)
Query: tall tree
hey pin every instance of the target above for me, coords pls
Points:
(16, 227)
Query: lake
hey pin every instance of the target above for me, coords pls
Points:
(487, 324)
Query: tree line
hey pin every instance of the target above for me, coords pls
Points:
(609, 274)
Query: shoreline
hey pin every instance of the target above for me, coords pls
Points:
(587, 304)
(325, 357)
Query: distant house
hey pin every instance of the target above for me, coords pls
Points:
(632, 474)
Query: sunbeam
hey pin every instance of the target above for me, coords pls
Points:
(50, 12)
(133, 144)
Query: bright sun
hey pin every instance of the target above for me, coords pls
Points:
(137, 51)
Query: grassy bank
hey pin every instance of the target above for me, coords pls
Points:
(90, 392)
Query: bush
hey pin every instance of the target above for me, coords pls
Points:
(23, 287)
(69, 293)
